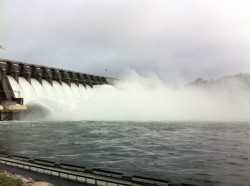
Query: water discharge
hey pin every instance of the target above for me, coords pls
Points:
(35, 91)
(136, 98)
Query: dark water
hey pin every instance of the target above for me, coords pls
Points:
(203, 153)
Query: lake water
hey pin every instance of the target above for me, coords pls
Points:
(202, 153)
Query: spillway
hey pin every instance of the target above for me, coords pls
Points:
(35, 90)
(21, 83)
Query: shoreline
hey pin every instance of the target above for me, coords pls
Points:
(25, 181)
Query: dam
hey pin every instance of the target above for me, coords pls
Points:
(22, 82)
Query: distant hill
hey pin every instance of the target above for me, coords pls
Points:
(242, 80)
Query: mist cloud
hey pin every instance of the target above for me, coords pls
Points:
(147, 98)
(186, 39)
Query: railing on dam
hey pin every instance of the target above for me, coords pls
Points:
(96, 177)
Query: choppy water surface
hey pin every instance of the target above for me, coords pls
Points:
(203, 153)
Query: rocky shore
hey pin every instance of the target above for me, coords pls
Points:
(25, 181)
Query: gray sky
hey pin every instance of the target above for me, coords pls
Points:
(174, 39)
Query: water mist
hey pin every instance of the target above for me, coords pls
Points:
(138, 98)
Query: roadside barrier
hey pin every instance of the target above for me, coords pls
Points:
(96, 177)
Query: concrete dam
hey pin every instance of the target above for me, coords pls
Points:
(22, 82)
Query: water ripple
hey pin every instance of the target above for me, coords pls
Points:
(202, 153)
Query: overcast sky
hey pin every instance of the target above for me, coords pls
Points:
(174, 39)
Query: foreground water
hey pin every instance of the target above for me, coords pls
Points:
(203, 153)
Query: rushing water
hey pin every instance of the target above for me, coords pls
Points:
(35, 90)
(202, 153)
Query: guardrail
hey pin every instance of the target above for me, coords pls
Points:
(96, 177)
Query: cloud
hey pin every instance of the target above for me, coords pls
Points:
(187, 39)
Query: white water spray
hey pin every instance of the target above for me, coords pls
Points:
(139, 98)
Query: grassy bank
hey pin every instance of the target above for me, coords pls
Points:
(12, 179)
(8, 181)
